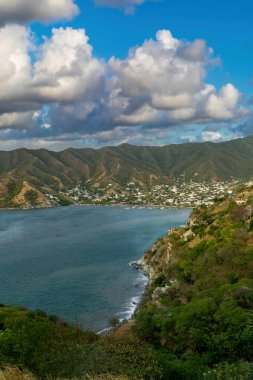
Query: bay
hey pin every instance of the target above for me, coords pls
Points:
(74, 261)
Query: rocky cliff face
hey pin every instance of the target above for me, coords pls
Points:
(208, 250)
(198, 308)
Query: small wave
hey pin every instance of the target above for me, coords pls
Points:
(104, 331)
(129, 309)
(134, 302)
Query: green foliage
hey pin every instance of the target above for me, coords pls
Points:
(31, 197)
(49, 347)
(206, 311)
(230, 371)
(123, 355)
(233, 278)
(64, 202)
(188, 368)
(13, 187)
(114, 321)
(160, 280)
(31, 340)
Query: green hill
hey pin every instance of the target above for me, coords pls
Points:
(198, 311)
(45, 171)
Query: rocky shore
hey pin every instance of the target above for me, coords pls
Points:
(143, 266)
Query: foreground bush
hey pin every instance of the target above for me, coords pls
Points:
(228, 371)
(123, 356)
(45, 345)
(50, 348)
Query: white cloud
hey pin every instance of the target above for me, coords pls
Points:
(127, 5)
(19, 120)
(16, 70)
(223, 105)
(163, 81)
(158, 70)
(65, 71)
(211, 136)
(22, 11)
(62, 89)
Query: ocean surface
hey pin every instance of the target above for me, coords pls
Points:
(74, 261)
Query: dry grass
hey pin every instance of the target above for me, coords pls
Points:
(106, 377)
(12, 373)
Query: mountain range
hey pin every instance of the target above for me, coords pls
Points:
(45, 171)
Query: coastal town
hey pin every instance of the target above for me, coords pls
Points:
(179, 194)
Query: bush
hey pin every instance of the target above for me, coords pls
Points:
(31, 196)
(229, 371)
(123, 356)
(44, 347)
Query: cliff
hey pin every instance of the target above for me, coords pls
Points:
(199, 303)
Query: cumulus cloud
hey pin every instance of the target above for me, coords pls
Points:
(224, 104)
(16, 70)
(127, 5)
(23, 11)
(60, 89)
(64, 72)
(162, 82)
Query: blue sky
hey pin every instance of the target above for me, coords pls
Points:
(226, 27)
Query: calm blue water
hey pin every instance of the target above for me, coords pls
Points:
(73, 261)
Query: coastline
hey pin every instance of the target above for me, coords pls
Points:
(148, 271)
(126, 316)
(128, 206)
(124, 325)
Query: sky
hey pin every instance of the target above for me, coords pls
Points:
(92, 73)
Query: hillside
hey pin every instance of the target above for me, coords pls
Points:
(45, 172)
(200, 302)
(49, 348)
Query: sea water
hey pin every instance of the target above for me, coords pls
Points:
(74, 261)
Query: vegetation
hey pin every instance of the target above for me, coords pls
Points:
(48, 347)
(64, 202)
(146, 165)
(31, 196)
(13, 373)
(13, 188)
(196, 321)
(199, 311)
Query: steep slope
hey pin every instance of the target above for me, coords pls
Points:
(200, 301)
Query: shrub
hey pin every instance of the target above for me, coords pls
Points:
(229, 371)
(31, 196)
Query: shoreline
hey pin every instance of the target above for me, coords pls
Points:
(131, 307)
(122, 205)
(147, 270)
